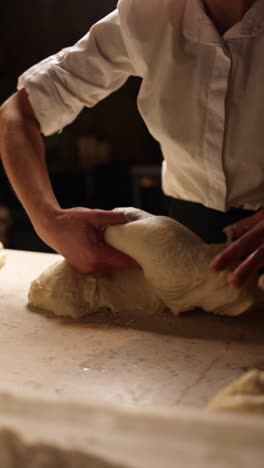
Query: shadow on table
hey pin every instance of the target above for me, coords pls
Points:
(247, 328)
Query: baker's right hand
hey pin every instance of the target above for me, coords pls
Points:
(77, 234)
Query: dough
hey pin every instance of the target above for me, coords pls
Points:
(2, 256)
(245, 394)
(66, 292)
(175, 275)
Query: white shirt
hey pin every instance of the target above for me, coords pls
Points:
(202, 95)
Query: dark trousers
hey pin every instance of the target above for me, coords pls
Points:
(207, 223)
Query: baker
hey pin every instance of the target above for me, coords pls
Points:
(202, 98)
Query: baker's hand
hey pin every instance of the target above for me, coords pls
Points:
(247, 247)
(77, 234)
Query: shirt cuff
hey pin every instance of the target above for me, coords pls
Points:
(53, 109)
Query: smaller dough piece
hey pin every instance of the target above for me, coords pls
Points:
(245, 394)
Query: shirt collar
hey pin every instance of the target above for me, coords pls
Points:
(198, 27)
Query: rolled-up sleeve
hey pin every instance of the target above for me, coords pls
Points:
(61, 85)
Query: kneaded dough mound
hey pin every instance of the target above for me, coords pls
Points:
(245, 394)
(66, 292)
(175, 275)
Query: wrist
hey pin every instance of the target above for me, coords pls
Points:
(45, 219)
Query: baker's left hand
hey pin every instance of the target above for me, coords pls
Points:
(247, 247)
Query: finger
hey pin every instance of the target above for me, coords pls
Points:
(238, 249)
(234, 231)
(104, 218)
(107, 257)
(248, 267)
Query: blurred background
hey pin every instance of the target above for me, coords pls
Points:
(106, 158)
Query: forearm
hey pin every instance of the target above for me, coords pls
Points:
(71, 232)
(23, 155)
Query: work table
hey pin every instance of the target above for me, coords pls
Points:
(162, 361)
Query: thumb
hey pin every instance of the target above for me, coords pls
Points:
(111, 258)
(101, 218)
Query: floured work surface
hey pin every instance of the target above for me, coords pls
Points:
(41, 434)
(161, 361)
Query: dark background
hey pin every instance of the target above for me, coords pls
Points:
(119, 164)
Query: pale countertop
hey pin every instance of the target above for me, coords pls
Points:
(110, 393)
(160, 361)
